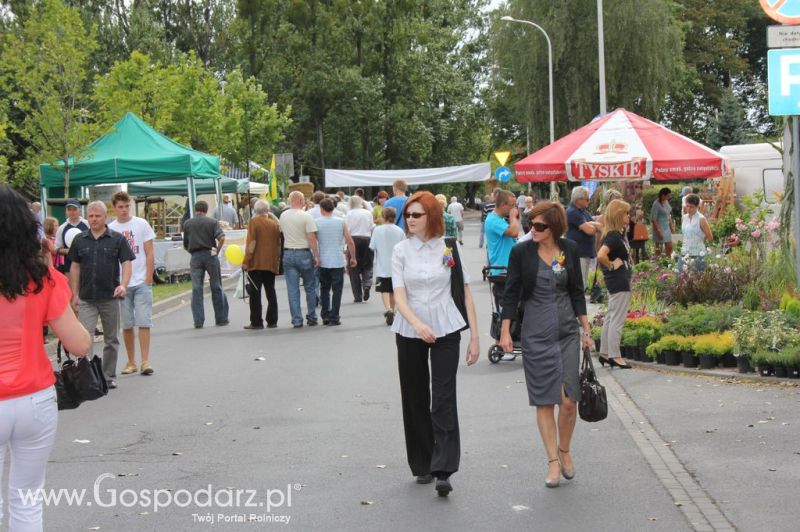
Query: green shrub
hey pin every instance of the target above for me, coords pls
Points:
(701, 319)
(652, 351)
(597, 332)
(752, 298)
(793, 309)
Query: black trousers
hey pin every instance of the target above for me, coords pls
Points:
(430, 414)
(266, 279)
(361, 275)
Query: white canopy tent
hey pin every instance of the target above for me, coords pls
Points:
(422, 176)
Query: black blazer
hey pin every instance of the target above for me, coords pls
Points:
(523, 266)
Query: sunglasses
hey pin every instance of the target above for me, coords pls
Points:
(540, 227)
(415, 215)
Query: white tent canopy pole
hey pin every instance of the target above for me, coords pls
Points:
(422, 176)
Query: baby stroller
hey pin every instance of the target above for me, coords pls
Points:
(497, 279)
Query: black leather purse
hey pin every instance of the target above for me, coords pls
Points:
(593, 405)
(79, 379)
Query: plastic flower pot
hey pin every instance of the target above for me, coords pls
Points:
(597, 345)
(729, 361)
(690, 360)
(672, 357)
(766, 371)
(743, 364)
(708, 361)
(781, 372)
(643, 354)
(794, 372)
(661, 358)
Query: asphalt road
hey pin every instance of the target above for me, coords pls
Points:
(314, 433)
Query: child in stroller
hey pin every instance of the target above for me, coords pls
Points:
(497, 279)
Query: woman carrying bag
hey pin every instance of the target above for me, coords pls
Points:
(32, 295)
(428, 326)
(544, 277)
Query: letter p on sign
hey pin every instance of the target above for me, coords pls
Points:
(783, 74)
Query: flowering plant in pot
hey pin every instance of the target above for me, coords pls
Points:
(686, 348)
(670, 348)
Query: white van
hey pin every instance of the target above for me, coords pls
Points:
(758, 168)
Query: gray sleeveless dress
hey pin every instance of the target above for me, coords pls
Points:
(550, 340)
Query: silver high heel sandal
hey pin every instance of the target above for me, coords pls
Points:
(553, 483)
(568, 474)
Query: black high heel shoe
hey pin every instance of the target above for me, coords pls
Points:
(603, 360)
(614, 364)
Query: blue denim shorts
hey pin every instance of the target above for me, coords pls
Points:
(136, 310)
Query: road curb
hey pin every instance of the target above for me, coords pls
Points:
(719, 374)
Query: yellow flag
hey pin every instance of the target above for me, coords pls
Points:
(273, 179)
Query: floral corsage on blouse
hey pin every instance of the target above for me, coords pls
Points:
(448, 261)
(558, 264)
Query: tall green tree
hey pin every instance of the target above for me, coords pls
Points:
(639, 71)
(45, 66)
(187, 102)
(251, 127)
(730, 126)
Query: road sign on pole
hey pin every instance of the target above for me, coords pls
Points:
(503, 174)
(783, 81)
(502, 157)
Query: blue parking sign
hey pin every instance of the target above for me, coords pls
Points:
(783, 75)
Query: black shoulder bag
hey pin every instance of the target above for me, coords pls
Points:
(457, 282)
(593, 405)
(80, 379)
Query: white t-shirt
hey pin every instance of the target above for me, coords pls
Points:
(457, 211)
(360, 222)
(296, 224)
(136, 231)
(384, 238)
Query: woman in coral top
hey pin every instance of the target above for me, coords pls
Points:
(32, 295)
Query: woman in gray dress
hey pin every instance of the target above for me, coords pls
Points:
(544, 279)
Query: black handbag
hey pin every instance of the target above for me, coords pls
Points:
(457, 282)
(80, 379)
(593, 405)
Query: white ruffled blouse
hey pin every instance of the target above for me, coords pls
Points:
(418, 267)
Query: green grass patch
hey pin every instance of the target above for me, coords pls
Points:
(163, 291)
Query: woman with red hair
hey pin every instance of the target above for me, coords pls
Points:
(429, 326)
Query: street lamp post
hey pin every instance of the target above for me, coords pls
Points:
(601, 57)
(553, 193)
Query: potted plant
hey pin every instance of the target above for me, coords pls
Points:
(597, 332)
(653, 351)
(629, 339)
(706, 350)
(725, 349)
(670, 347)
(689, 359)
(760, 359)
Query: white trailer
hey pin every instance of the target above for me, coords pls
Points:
(757, 168)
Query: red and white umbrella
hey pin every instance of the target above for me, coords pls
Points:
(622, 146)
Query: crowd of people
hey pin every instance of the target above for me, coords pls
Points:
(407, 247)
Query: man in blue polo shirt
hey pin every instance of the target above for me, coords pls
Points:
(501, 235)
(398, 201)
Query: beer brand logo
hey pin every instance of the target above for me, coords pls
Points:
(612, 147)
(783, 11)
(584, 170)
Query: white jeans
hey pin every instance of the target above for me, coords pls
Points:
(28, 428)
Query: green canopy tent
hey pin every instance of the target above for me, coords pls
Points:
(178, 188)
(131, 152)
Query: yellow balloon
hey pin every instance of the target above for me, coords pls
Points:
(234, 254)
